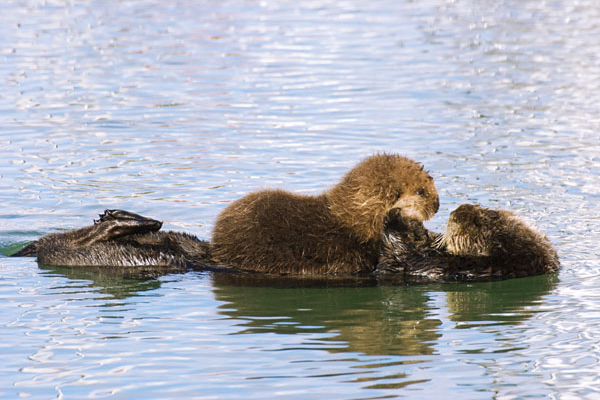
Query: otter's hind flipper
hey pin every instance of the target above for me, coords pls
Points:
(116, 239)
(109, 215)
(114, 224)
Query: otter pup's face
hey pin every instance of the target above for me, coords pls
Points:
(400, 183)
(471, 229)
(417, 198)
(379, 184)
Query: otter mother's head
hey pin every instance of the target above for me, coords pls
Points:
(377, 185)
(471, 230)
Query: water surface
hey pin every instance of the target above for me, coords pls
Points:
(175, 109)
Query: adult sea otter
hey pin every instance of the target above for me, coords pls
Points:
(368, 224)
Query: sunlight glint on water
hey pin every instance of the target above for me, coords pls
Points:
(174, 109)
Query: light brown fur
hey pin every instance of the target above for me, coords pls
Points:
(337, 232)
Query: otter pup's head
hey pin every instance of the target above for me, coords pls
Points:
(377, 185)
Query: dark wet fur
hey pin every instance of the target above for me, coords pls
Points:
(125, 241)
(512, 249)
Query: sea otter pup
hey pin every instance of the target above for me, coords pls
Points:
(335, 233)
(479, 244)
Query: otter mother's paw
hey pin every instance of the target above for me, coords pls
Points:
(403, 232)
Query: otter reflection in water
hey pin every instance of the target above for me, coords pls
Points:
(479, 244)
(375, 320)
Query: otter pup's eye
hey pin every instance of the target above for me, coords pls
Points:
(420, 192)
(398, 194)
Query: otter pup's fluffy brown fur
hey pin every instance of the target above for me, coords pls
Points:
(337, 232)
(479, 244)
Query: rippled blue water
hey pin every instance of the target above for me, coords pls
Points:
(174, 109)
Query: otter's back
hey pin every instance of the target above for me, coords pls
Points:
(279, 232)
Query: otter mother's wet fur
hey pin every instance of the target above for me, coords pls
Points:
(337, 232)
(479, 244)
